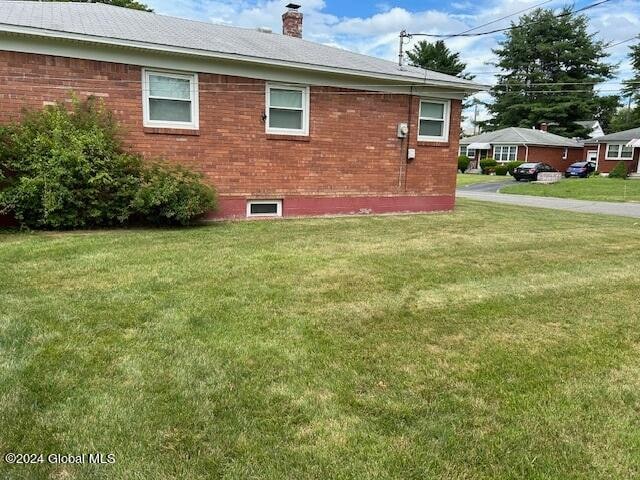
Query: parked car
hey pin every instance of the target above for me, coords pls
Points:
(580, 169)
(530, 171)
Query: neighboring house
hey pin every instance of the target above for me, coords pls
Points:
(618, 146)
(593, 126)
(522, 144)
(281, 126)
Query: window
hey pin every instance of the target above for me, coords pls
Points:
(465, 150)
(433, 120)
(287, 110)
(619, 151)
(565, 153)
(505, 153)
(170, 100)
(264, 208)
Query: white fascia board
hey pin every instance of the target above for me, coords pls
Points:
(23, 36)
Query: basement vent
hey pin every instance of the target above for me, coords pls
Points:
(264, 208)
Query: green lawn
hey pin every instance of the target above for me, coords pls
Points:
(595, 188)
(470, 178)
(489, 343)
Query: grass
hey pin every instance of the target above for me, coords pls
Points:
(595, 188)
(476, 345)
(470, 178)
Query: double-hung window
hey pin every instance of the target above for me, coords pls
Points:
(505, 153)
(170, 100)
(619, 151)
(287, 110)
(433, 120)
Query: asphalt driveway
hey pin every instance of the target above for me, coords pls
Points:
(488, 192)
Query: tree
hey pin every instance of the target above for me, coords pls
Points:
(437, 57)
(551, 65)
(629, 117)
(632, 86)
(133, 4)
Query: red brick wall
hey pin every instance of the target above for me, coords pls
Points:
(553, 156)
(352, 149)
(605, 166)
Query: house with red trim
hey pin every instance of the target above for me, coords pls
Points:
(279, 125)
(523, 144)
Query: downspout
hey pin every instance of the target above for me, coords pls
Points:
(598, 158)
(526, 153)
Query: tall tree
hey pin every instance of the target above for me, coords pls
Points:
(551, 65)
(629, 117)
(133, 4)
(437, 57)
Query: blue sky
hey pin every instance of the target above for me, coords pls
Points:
(372, 27)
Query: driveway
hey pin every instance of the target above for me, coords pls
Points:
(488, 192)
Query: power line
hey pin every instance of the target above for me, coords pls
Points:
(489, 32)
(500, 19)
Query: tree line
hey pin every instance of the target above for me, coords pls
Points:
(549, 67)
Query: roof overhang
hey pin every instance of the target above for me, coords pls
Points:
(479, 146)
(464, 87)
(635, 142)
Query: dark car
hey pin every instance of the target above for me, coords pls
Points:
(530, 171)
(580, 169)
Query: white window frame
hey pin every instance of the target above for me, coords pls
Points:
(194, 124)
(502, 147)
(565, 153)
(262, 202)
(619, 154)
(446, 119)
(304, 131)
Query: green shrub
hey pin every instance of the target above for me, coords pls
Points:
(511, 166)
(66, 169)
(501, 170)
(172, 195)
(463, 163)
(619, 171)
(487, 165)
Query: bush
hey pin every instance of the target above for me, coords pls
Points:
(463, 163)
(501, 170)
(619, 171)
(511, 166)
(487, 165)
(66, 169)
(173, 195)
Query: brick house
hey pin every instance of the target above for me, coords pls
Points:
(280, 125)
(620, 146)
(523, 144)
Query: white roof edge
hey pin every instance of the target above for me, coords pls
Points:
(465, 86)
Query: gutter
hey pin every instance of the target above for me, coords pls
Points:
(84, 38)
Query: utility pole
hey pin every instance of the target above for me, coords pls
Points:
(403, 35)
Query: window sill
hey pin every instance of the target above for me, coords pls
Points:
(171, 131)
(289, 138)
(619, 159)
(432, 143)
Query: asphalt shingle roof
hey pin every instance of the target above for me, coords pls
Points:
(521, 136)
(99, 21)
(623, 136)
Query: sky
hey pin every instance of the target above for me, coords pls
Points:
(372, 27)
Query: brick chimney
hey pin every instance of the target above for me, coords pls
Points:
(292, 21)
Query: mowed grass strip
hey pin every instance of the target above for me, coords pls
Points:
(480, 344)
(464, 179)
(595, 188)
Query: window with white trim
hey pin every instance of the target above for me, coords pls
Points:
(170, 100)
(505, 153)
(433, 120)
(287, 110)
(565, 153)
(264, 208)
(619, 151)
